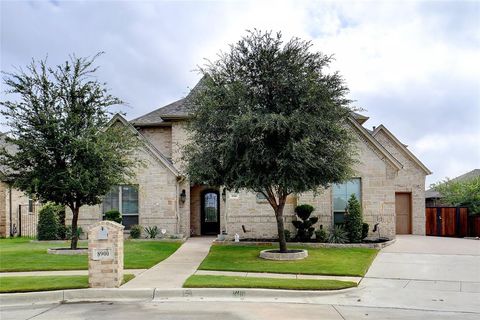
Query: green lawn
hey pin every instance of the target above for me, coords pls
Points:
(199, 281)
(326, 261)
(46, 283)
(19, 254)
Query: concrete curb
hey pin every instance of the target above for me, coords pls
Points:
(235, 294)
(75, 295)
(152, 294)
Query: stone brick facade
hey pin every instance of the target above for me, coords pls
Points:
(383, 167)
(105, 273)
(10, 200)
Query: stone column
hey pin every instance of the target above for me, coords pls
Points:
(105, 255)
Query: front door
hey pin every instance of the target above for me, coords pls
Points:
(403, 213)
(210, 215)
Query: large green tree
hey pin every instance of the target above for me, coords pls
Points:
(461, 193)
(268, 117)
(64, 153)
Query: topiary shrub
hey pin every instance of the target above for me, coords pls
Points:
(48, 226)
(338, 235)
(354, 220)
(135, 231)
(321, 235)
(364, 230)
(288, 235)
(304, 227)
(113, 215)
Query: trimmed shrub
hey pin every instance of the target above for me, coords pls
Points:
(68, 232)
(113, 215)
(288, 235)
(338, 235)
(135, 231)
(364, 230)
(304, 226)
(354, 220)
(321, 235)
(48, 226)
(152, 232)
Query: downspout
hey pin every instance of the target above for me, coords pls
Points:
(177, 207)
(10, 208)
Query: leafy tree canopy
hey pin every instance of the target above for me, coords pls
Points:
(269, 117)
(461, 193)
(58, 119)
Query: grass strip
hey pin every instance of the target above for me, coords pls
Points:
(201, 281)
(46, 283)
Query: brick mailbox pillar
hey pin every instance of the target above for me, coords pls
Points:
(105, 255)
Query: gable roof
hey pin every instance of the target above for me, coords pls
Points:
(173, 111)
(402, 147)
(149, 146)
(387, 156)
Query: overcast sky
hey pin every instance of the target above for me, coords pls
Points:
(413, 66)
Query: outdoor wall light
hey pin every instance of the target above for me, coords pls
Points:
(224, 194)
(183, 196)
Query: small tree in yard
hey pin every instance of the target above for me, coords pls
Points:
(57, 123)
(461, 193)
(354, 220)
(267, 118)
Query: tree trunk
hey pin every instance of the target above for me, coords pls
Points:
(73, 244)
(278, 208)
(281, 229)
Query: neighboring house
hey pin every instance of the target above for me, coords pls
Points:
(14, 203)
(389, 181)
(434, 198)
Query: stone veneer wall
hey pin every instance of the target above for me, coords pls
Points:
(160, 137)
(157, 195)
(18, 198)
(4, 214)
(410, 179)
(257, 216)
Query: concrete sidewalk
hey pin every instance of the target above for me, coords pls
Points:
(172, 272)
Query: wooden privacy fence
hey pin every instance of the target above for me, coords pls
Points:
(446, 221)
(474, 226)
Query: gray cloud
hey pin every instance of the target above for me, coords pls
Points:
(412, 65)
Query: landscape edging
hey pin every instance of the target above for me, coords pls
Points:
(380, 245)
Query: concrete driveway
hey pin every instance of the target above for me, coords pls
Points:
(428, 263)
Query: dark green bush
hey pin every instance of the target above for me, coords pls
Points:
(68, 232)
(354, 220)
(288, 235)
(364, 230)
(304, 225)
(152, 232)
(304, 211)
(321, 235)
(338, 235)
(48, 226)
(113, 215)
(135, 231)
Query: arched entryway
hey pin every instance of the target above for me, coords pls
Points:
(210, 212)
